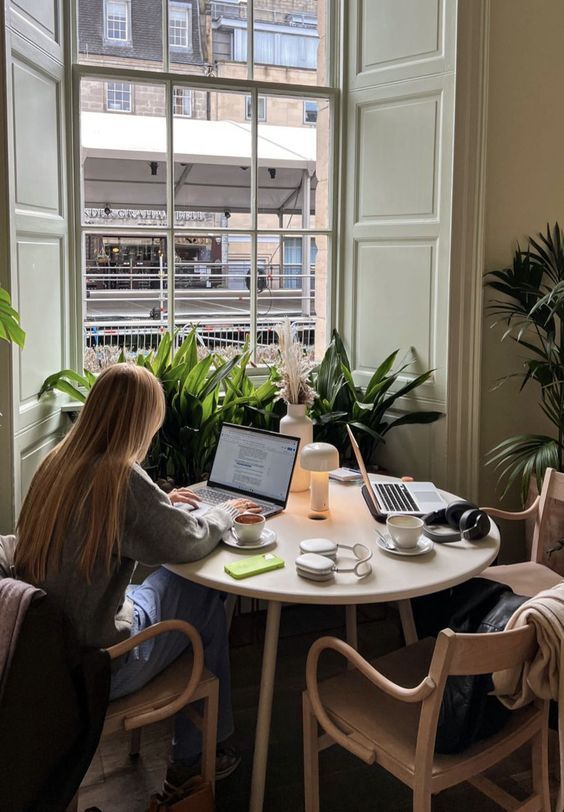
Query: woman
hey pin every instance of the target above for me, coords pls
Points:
(92, 512)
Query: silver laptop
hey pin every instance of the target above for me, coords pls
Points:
(254, 463)
(416, 498)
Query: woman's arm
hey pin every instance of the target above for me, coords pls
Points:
(155, 532)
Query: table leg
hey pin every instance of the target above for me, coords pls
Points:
(265, 706)
(230, 603)
(351, 628)
(407, 621)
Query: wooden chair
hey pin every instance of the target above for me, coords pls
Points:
(394, 725)
(185, 681)
(530, 577)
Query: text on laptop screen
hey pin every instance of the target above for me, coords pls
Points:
(254, 461)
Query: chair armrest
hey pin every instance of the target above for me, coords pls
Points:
(518, 515)
(163, 711)
(411, 695)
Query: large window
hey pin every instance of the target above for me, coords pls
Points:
(198, 208)
(277, 48)
(117, 20)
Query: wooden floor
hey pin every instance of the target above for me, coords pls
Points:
(116, 784)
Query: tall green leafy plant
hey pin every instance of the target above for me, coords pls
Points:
(10, 329)
(340, 402)
(531, 308)
(200, 393)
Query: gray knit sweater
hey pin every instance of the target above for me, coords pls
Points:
(154, 532)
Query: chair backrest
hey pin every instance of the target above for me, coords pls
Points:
(467, 654)
(544, 531)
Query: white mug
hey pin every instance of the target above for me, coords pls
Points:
(248, 527)
(404, 530)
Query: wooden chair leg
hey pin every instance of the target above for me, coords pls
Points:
(421, 800)
(209, 733)
(539, 762)
(135, 742)
(311, 757)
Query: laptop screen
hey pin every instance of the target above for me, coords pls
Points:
(253, 461)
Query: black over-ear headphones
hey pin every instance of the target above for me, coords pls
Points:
(458, 520)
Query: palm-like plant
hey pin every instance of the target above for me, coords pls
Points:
(532, 310)
(339, 402)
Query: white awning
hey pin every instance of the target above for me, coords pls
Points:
(212, 163)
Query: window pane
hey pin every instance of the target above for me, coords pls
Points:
(120, 32)
(212, 288)
(293, 160)
(287, 41)
(125, 284)
(186, 37)
(291, 281)
(123, 153)
(212, 162)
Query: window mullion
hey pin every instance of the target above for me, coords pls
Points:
(165, 31)
(254, 220)
(170, 253)
(250, 39)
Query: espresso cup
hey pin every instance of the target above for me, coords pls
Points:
(405, 531)
(248, 527)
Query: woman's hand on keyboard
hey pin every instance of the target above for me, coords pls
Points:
(243, 506)
(184, 496)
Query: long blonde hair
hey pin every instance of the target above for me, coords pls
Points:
(83, 480)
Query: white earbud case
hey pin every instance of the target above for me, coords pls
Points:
(314, 566)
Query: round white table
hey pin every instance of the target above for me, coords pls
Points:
(393, 578)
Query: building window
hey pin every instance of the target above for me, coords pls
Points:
(273, 48)
(310, 112)
(182, 102)
(117, 20)
(118, 97)
(179, 25)
(261, 108)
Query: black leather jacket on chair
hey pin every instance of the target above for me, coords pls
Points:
(468, 713)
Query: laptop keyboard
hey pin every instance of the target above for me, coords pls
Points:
(395, 496)
(211, 496)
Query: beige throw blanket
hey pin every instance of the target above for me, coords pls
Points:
(543, 677)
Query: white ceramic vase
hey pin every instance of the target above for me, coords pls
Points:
(297, 424)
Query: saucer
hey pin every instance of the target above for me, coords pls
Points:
(424, 545)
(268, 536)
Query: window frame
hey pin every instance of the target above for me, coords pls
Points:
(186, 9)
(186, 94)
(168, 77)
(249, 109)
(118, 41)
(306, 102)
(107, 96)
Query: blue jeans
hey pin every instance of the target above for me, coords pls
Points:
(166, 596)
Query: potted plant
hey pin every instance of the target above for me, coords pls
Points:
(10, 329)
(340, 402)
(531, 308)
(201, 394)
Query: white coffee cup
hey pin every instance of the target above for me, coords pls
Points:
(248, 527)
(405, 531)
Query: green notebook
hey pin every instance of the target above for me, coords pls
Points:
(254, 565)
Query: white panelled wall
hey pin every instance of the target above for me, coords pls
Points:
(395, 271)
(397, 285)
(34, 244)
